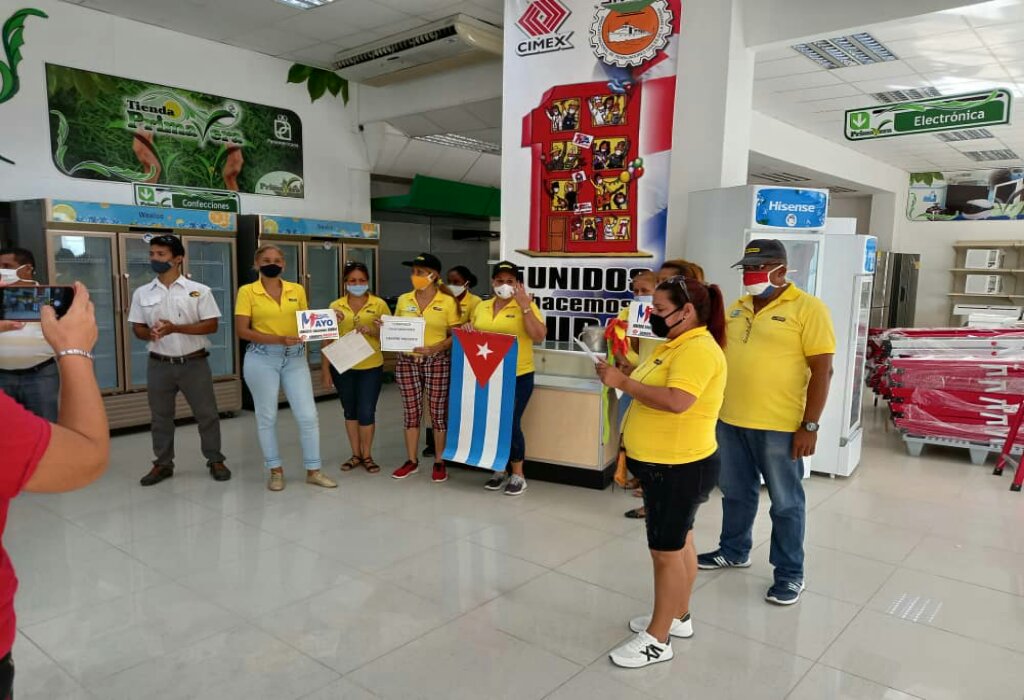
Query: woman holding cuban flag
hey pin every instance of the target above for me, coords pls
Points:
(511, 311)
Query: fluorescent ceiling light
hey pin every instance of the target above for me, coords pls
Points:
(860, 49)
(964, 135)
(305, 4)
(908, 95)
(1001, 154)
(458, 141)
(780, 177)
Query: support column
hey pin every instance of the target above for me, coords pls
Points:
(714, 97)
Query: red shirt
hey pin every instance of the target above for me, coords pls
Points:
(24, 438)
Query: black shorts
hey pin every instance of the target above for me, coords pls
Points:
(672, 495)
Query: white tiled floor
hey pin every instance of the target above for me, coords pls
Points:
(384, 589)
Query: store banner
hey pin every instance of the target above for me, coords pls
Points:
(73, 212)
(589, 96)
(186, 198)
(995, 194)
(104, 127)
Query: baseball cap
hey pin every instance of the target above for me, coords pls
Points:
(168, 241)
(506, 266)
(761, 251)
(425, 260)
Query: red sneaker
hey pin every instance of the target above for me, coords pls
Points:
(440, 473)
(407, 469)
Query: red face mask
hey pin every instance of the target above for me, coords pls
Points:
(758, 282)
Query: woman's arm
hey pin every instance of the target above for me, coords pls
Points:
(661, 398)
(534, 326)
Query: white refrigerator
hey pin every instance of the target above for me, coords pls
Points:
(826, 259)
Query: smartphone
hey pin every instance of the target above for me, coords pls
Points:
(25, 303)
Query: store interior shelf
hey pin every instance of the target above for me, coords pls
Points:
(988, 244)
(985, 296)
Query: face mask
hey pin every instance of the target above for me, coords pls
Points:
(10, 276)
(759, 284)
(645, 299)
(159, 266)
(457, 289)
(421, 283)
(660, 327)
(271, 270)
(358, 290)
(504, 291)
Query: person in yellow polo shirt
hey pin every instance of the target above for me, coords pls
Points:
(669, 437)
(781, 344)
(428, 367)
(511, 311)
(359, 387)
(275, 359)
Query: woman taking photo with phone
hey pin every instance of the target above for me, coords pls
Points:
(359, 387)
(275, 359)
(428, 367)
(511, 311)
(669, 437)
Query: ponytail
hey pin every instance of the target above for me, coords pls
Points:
(716, 314)
(706, 299)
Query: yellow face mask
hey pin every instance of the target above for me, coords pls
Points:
(421, 283)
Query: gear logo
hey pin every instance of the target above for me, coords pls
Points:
(540, 22)
(629, 33)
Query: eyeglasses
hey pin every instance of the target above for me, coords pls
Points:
(681, 281)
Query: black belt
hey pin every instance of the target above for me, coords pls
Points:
(31, 370)
(179, 360)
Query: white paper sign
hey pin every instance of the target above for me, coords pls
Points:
(317, 324)
(349, 351)
(402, 334)
(640, 321)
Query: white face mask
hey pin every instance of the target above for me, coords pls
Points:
(504, 291)
(457, 289)
(10, 276)
(645, 299)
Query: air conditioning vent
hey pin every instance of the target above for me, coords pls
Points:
(910, 95)
(984, 156)
(453, 42)
(458, 141)
(964, 135)
(836, 189)
(779, 178)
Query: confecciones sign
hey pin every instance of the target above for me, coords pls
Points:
(573, 298)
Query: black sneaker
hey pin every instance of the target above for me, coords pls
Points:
(716, 560)
(496, 481)
(516, 485)
(157, 474)
(785, 592)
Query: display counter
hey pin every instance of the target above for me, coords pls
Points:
(564, 421)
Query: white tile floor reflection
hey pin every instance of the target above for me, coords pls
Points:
(385, 589)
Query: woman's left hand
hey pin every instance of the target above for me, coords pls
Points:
(427, 350)
(610, 376)
(521, 296)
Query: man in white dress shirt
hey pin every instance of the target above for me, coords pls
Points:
(175, 315)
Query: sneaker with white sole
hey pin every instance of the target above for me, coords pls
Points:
(496, 481)
(516, 485)
(642, 650)
(681, 627)
(785, 592)
(717, 560)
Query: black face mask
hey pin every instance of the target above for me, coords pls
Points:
(271, 270)
(660, 327)
(160, 266)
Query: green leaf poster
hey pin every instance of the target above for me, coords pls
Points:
(103, 127)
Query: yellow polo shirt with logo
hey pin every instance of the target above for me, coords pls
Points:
(767, 354)
(509, 321)
(441, 314)
(467, 306)
(267, 315)
(694, 363)
(372, 310)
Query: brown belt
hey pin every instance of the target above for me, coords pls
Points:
(179, 360)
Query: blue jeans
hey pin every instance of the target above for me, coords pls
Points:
(268, 369)
(359, 390)
(38, 390)
(524, 390)
(747, 454)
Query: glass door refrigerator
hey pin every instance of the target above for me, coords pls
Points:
(315, 251)
(106, 246)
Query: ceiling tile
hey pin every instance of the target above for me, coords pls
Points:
(888, 69)
(764, 70)
(321, 55)
(905, 82)
(988, 13)
(481, 12)
(352, 41)
(1009, 53)
(937, 62)
(271, 41)
(1001, 33)
(416, 125)
(824, 93)
(918, 27)
(415, 7)
(820, 78)
(489, 111)
(944, 45)
(454, 120)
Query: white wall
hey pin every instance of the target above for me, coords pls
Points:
(858, 208)
(336, 169)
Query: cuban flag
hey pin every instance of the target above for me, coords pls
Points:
(482, 398)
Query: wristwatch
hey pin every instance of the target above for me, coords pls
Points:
(810, 426)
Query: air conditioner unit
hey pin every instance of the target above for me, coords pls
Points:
(453, 42)
(984, 259)
(984, 284)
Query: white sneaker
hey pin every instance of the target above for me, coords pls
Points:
(680, 628)
(642, 650)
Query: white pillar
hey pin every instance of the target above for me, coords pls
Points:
(714, 96)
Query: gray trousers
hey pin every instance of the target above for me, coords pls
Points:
(195, 381)
(37, 391)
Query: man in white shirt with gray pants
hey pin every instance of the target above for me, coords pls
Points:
(175, 315)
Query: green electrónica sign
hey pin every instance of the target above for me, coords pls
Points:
(968, 111)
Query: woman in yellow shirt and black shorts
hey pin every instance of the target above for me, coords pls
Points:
(359, 387)
(428, 367)
(669, 437)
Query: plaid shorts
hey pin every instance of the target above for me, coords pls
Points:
(413, 374)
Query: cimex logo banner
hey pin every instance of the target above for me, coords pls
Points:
(589, 95)
(104, 127)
